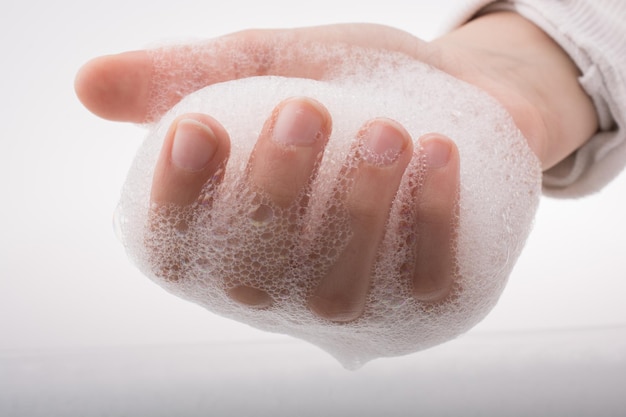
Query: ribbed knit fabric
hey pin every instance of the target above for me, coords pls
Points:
(593, 33)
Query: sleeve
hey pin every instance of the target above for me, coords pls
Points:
(593, 33)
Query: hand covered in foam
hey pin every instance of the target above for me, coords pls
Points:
(331, 226)
(265, 227)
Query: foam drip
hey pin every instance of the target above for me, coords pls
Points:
(247, 240)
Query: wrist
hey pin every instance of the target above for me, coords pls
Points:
(522, 67)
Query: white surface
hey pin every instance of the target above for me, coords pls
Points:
(66, 286)
(565, 373)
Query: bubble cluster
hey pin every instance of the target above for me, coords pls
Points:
(236, 236)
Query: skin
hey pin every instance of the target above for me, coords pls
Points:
(521, 67)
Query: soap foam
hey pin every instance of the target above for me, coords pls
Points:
(244, 238)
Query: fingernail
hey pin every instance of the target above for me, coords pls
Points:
(298, 124)
(436, 152)
(383, 143)
(194, 145)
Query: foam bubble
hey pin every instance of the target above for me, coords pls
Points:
(245, 240)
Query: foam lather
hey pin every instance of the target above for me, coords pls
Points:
(244, 240)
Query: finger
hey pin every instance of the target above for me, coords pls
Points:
(194, 150)
(384, 150)
(139, 86)
(281, 168)
(436, 219)
(116, 87)
(289, 148)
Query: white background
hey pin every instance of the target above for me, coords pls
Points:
(65, 281)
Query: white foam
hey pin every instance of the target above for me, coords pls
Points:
(223, 247)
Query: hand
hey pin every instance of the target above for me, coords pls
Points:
(122, 88)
